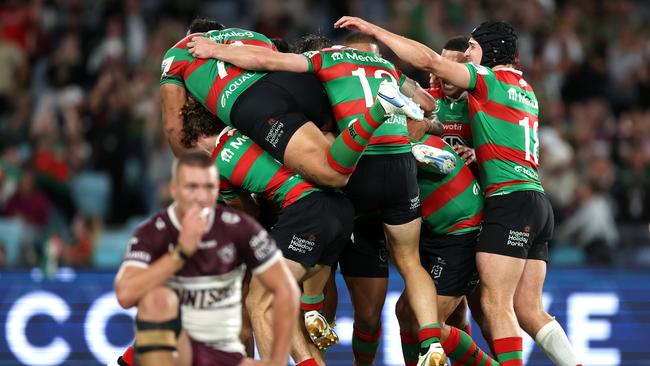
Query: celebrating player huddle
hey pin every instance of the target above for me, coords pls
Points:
(352, 154)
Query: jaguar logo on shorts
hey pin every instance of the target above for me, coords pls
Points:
(227, 253)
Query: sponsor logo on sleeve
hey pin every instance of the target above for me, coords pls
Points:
(230, 218)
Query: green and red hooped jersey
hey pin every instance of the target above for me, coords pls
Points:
(214, 83)
(452, 203)
(243, 164)
(351, 79)
(504, 113)
(454, 116)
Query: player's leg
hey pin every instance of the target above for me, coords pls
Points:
(421, 292)
(246, 334)
(312, 298)
(278, 113)
(157, 328)
(367, 295)
(408, 330)
(364, 265)
(458, 318)
(534, 320)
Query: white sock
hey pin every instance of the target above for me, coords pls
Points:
(552, 339)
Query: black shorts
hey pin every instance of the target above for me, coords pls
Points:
(276, 106)
(449, 259)
(314, 229)
(367, 254)
(387, 183)
(518, 224)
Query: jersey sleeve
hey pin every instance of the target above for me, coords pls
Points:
(315, 60)
(256, 246)
(143, 248)
(226, 189)
(479, 79)
(174, 63)
(401, 78)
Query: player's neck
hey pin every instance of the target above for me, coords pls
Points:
(508, 66)
(207, 144)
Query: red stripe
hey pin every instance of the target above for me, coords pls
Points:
(447, 191)
(452, 341)
(506, 113)
(511, 363)
(479, 357)
(473, 221)
(428, 333)
(349, 142)
(295, 192)
(244, 164)
(490, 151)
(178, 68)
(218, 85)
(224, 184)
(508, 344)
(358, 128)
(511, 78)
(309, 307)
(368, 338)
(349, 108)
(346, 68)
(468, 354)
(389, 140)
(498, 186)
(193, 66)
(276, 181)
(183, 42)
(436, 141)
(338, 167)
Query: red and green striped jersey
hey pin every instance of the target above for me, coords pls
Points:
(351, 79)
(243, 164)
(214, 83)
(454, 116)
(452, 203)
(503, 109)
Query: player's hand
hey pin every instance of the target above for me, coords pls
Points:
(465, 153)
(417, 129)
(358, 24)
(193, 226)
(201, 47)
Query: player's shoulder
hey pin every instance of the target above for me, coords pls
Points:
(480, 69)
(157, 225)
(231, 219)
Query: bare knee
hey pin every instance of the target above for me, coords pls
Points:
(159, 304)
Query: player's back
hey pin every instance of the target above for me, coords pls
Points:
(504, 114)
(244, 164)
(351, 79)
(214, 83)
(452, 203)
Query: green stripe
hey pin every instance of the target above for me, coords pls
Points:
(312, 299)
(366, 347)
(484, 360)
(356, 57)
(509, 356)
(499, 132)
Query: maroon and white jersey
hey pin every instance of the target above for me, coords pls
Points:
(209, 284)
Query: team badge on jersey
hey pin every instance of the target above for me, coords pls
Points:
(160, 224)
(230, 218)
(227, 253)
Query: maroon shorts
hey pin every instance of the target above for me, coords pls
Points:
(204, 355)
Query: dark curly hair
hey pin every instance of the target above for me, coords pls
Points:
(311, 42)
(198, 122)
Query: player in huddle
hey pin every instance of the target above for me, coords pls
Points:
(518, 221)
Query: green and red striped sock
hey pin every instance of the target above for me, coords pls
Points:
(467, 329)
(364, 346)
(461, 348)
(508, 351)
(347, 148)
(410, 348)
(429, 334)
(312, 302)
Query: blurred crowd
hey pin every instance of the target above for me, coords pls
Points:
(82, 150)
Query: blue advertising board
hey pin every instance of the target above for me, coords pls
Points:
(75, 320)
